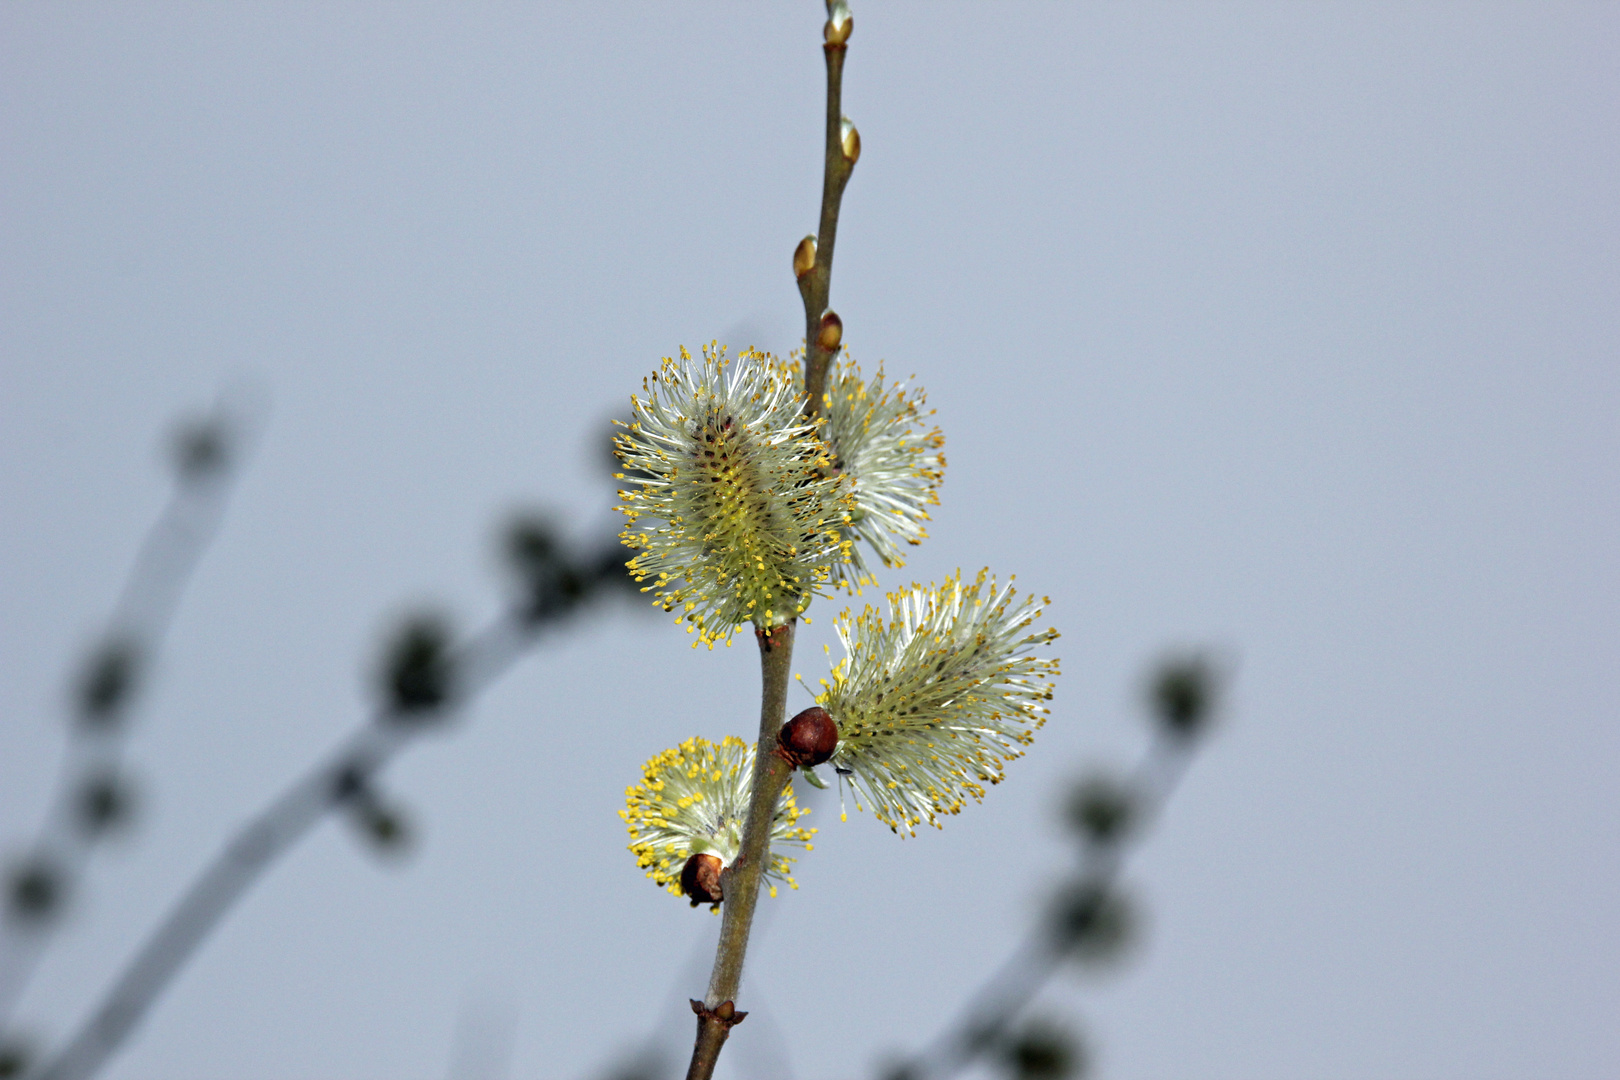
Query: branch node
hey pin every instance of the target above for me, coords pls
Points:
(725, 1013)
(775, 638)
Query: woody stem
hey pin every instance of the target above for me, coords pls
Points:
(816, 285)
(740, 882)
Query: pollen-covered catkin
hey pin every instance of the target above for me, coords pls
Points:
(693, 800)
(881, 442)
(932, 701)
(737, 514)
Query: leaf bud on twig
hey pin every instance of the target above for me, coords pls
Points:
(348, 784)
(105, 802)
(1092, 922)
(418, 671)
(1102, 809)
(552, 584)
(202, 448)
(839, 24)
(383, 826)
(1182, 694)
(831, 334)
(108, 681)
(808, 739)
(1043, 1051)
(726, 1012)
(804, 257)
(850, 141)
(35, 890)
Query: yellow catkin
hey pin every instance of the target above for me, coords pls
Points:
(693, 799)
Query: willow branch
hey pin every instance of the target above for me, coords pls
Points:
(248, 856)
(822, 338)
(992, 1009)
(717, 1013)
(812, 265)
(208, 456)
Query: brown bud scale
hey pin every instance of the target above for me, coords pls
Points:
(700, 878)
(726, 1013)
(809, 738)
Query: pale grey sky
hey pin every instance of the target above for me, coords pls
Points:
(1287, 328)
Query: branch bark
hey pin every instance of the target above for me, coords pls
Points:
(990, 1013)
(717, 1013)
(255, 848)
(171, 551)
(815, 285)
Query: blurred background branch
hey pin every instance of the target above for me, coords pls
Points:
(95, 797)
(423, 680)
(1091, 918)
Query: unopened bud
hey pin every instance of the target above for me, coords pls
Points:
(831, 334)
(35, 891)
(804, 257)
(1183, 693)
(809, 738)
(700, 878)
(851, 140)
(108, 682)
(201, 447)
(418, 670)
(384, 827)
(1102, 809)
(1043, 1051)
(1093, 923)
(105, 802)
(839, 24)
